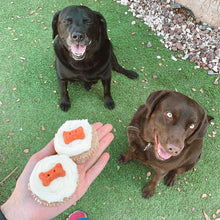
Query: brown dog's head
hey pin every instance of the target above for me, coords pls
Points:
(78, 28)
(173, 120)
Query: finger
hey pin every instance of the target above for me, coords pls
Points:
(103, 144)
(104, 130)
(97, 125)
(93, 172)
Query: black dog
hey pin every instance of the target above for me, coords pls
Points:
(84, 52)
(166, 134)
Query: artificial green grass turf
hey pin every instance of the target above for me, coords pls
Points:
(30, 94)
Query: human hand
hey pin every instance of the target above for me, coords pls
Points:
(21, 204)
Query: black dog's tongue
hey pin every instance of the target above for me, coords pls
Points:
(78, 49)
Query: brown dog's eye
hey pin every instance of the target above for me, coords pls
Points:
(192, 126)
(169, 114)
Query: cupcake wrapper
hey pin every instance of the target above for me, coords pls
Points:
(45, 203)
(83, 157)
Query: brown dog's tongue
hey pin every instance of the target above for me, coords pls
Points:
(155, 138)
(78, 49)
(161, 152)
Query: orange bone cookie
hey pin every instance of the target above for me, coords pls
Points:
(49, 176)
(73, 135)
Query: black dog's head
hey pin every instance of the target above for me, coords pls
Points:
(78, 28)
(173, 121)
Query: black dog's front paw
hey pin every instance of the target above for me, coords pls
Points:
(147, 193)
(132, 75)
(88, 86)
(109, 103)
(65, 105)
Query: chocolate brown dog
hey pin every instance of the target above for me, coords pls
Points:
(84, 52)
(166, 134)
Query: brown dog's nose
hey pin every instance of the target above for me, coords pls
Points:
(173, 150)
(77, 36)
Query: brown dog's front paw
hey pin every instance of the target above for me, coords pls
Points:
(109, 103)
(147, 193)
(170, 179)
(65, 106)
(122, 159)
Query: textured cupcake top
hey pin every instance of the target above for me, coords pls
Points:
(54, 178)
(74, 146)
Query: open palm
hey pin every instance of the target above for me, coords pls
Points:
(21, 204)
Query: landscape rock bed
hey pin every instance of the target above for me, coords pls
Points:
(181, 31)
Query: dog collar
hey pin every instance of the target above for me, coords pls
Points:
(131, 127)
(148, 146)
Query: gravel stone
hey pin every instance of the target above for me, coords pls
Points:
(149, 45)
(180, 30)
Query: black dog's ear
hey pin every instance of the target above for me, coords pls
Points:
(153, 99)
(103, 25)
(202, 128)
(54, 24)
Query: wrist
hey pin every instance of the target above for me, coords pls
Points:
(3, 213)
(9, 211)
(2, 216)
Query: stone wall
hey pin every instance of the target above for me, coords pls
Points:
(208, 11)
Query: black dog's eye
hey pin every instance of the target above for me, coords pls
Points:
(68, 21)
(87, 21)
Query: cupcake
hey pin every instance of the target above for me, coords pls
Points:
(53, 180)
(76, 139)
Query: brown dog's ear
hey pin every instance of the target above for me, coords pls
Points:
(209, 118)
(54, 24)
(202, 128)
(153, 99)
(103, 25)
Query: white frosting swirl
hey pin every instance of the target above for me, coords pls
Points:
(77, 146)
(59, 188)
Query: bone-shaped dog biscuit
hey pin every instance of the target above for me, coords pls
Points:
(52, 174)
(73, 135)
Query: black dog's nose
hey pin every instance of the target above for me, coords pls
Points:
(77, 36)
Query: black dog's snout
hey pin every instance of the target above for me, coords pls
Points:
(77, 36)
